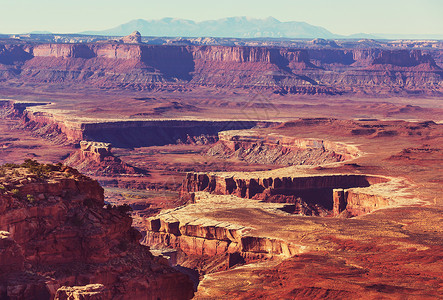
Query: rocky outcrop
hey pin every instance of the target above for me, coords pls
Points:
(133, 38)
(308, 195)
(199, 239)
(279, 150)
(124, 134)
(283, 70)
(87, 292)
(226, 242)
(11, 255)
(95, 151)
(217, 224)
(49, 126)
(69, 238)
(95, 158)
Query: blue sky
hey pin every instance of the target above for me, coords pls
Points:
(338, 16)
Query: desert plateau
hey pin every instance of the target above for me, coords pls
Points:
(194, 167)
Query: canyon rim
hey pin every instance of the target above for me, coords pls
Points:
(242, 166)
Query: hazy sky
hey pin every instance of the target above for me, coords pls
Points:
(338, 16)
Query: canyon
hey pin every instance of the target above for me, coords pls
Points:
(220, 169)
(278, 69)
(316, 191)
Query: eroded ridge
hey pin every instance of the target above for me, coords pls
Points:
(56, 232)
(278, 69)
(95, 158)
(60, 128)
(221, 217)
(194, 231)
(229, 213)
(325, 195)
(253, 147)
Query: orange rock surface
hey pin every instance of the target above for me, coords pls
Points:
(336, 192)
(279, 69)
(57, 219)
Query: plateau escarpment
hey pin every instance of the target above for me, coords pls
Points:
(161, 132)
(204, 243)
(341, 229)
(279, 69)
(94, 158)
(276, 149)
(128, 134)
(228, 219)
(241, 217)
(325, 195)
(60, 233)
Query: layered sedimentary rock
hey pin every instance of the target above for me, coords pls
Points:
(188, 230)
(56, 218)
(125, 134)
(133, 38)
(95, 158)
(279, 150)
(87, 292)
(310, 195)
(283, 70)
(213, 223)
(11, 255)
(307, 195)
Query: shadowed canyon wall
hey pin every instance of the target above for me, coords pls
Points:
(283, 70)
(311, 195)
(194, 232)
(124, 134)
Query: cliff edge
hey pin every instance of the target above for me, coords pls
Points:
(57, 236)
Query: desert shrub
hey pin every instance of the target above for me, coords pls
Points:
(30, 198)
(41, 170)
(2, 187)
(125, 208)
(29, 163)
(11, 166)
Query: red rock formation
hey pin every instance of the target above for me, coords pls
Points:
(94, 158)
(69, 238)
(133, 38)
(283, 70)
(87, 292)
(279, 150)
(123, 133)
(11, 255)
(212, 240)
(49, 126)
(310, 195)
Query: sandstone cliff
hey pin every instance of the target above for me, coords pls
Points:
(61, 234)
(94, 158)
(133, 38)
(123, 134)
(283, 70)
(282, 150)
(327, 195)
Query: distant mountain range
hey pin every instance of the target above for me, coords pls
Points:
(236, 27)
